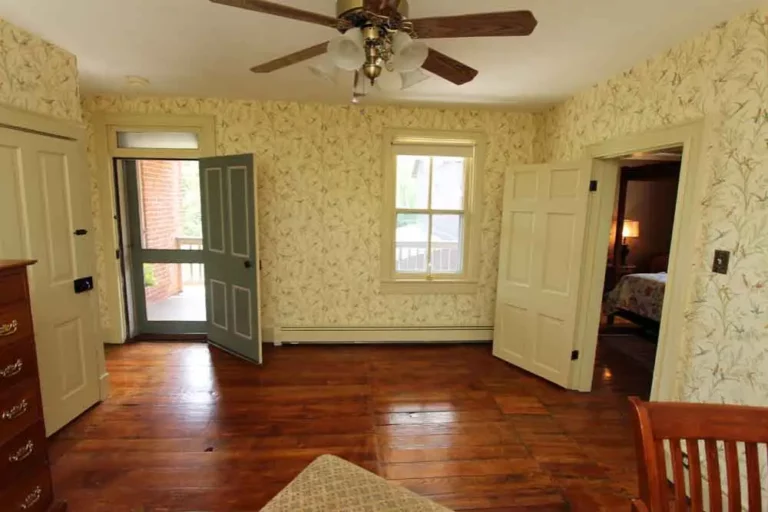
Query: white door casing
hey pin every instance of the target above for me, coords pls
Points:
(44, 198)
(540, 266)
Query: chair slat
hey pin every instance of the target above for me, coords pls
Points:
(753, 479)
(678, 475)
(694, 473)
(704, 428)
(734, 480)
(713, 476)
(662, 467)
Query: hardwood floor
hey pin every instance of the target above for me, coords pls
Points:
(191, 428)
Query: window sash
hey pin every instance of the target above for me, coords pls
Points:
(433, 152)
(429, 252)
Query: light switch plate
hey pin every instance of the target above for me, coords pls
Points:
(720, 265)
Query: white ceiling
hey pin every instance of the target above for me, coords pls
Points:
(196, 48)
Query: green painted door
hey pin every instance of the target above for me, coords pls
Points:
(165, 246)
(230, 232)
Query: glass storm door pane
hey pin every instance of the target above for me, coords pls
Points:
(174, 292)
(170, 205)
(163, 205)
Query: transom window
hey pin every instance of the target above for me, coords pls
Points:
(430, 212)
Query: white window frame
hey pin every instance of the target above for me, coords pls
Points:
(433, 143)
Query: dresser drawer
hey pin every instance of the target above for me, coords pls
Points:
(30, 493)
(15, 322)
(19, 408)
(13, 286)
(25, 451)
(18, 361)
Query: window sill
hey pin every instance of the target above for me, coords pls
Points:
(416, 287)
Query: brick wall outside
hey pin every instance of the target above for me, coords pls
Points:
(161, 201)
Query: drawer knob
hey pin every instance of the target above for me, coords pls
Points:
(32, 498)
(23, 452)
(15, 411)
(9, 328)
(12, 369)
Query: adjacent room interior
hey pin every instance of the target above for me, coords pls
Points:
(383, 255)
(638, 256)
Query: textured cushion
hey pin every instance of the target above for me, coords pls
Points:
(331, 483)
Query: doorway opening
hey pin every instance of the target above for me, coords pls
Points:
(636, 270)
(161, 240)
(555, 232)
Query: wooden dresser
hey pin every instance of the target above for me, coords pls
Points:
(25, 477)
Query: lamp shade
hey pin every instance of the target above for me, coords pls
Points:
(389, 81)
(325, 69)
(631, 229)
(347, 51)
(408, 55)
(413, 78)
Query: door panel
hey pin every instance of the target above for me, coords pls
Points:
(231, 254)
(213, 185)
(50, 198)
(57, 211)
(543, 227)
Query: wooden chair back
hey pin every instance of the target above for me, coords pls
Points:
(697, 436)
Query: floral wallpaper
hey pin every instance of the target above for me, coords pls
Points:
(320, 189)
(723, 73)
(36, 75)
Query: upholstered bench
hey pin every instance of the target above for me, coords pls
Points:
(331, 483)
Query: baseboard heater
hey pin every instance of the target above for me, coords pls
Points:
(440, 334)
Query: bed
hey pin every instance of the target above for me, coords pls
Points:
(638, 298)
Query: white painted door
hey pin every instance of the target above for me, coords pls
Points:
(540, 266)
(44, 200)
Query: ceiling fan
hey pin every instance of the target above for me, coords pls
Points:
(379, 41)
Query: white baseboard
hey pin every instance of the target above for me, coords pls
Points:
(446, 334)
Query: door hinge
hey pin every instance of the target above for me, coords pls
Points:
(574, 355)
(593, 186)
(117, 254)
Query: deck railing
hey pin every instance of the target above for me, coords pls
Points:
(412, 257)
(191, 273)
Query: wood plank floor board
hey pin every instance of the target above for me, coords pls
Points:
(187, 427)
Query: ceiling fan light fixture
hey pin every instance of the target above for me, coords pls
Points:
(413, 78)
(326, 70)
(408, 55)
(390, 81)
(348, 51)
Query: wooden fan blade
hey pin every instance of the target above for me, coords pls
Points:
(448, 68)
(381, 7)
(291, 59)
(492, 24)
(281, 10)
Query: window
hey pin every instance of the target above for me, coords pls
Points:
(158, 140)
(431, 212)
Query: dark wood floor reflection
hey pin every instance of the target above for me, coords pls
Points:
(191, 428)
